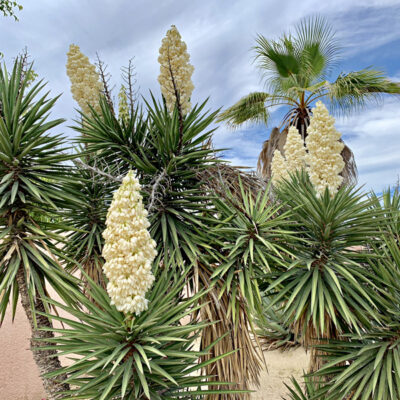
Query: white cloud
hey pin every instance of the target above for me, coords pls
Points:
(219, 35)
(244, 144)
(374, 137)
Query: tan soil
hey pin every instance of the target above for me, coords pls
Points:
(281, 367)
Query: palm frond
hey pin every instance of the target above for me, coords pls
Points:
(317, 47)
(354, 90)
(250, 108)
(277, 58)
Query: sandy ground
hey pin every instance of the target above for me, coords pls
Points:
(19, 378)
(281, 367)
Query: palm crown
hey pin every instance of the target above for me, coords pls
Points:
(296, 68)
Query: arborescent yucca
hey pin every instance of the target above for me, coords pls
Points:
(32, 171)
(151, 356)
(327, 286)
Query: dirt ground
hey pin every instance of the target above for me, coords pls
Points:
(281, 367)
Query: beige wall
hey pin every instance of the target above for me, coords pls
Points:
(19, 376)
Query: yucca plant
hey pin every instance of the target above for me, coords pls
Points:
(252, 234)
(327, 287)
(31, 158)
(273, 330)
(367, 366)
(167, 160)
(169, 157)
(248, 235)
(364, 368)
(389, 205)
(117, 143)
(151, 356)
(177, 202)
(384, 245)
(308, 390)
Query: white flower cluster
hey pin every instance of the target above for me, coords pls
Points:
(175, 71)
(278, 168)
(324, 159)
(123, 108)
(294, 159)
(85, 81)
(321, 156)
(129, 250)
(295, 152)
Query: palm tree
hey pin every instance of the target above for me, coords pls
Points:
(295, 69)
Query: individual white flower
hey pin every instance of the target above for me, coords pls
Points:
(175, 71)
(278, 168)
(85, 81)
(294, 150)
(324, 159)
(129, 250)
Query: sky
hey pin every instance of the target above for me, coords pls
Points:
(219, 35)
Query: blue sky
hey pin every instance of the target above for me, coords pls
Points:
(219, 35)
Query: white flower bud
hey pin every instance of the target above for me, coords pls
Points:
(123, 108)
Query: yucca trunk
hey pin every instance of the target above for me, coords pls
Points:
(310, 338)
(46, 360)
(243, 367)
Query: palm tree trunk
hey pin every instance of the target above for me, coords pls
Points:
(44, 359)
